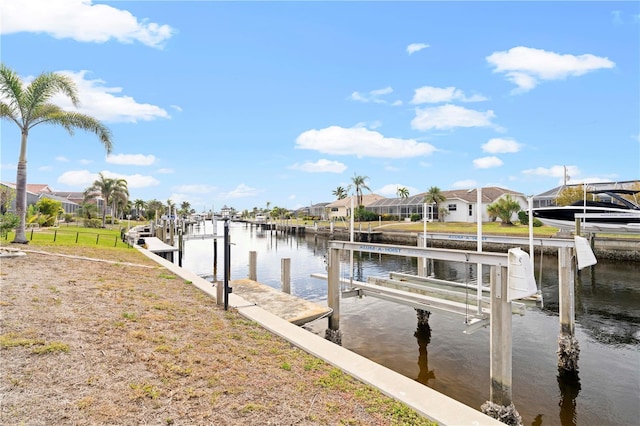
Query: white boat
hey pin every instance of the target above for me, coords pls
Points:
(616, 215)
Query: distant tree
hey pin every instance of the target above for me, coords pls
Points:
(112, 190)
(402, 192)
(185, 208)
(28, 105)
(435, 196)
(360, 183)
(139, 205)
(8, 220)
(572, 194)
(504, 208)
(170, 206)
(340, 193)
(7, 195)
(87, 210)
(154, 208)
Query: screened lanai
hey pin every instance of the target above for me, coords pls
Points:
(403, 207)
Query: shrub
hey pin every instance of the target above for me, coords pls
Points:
(416, 217)
(93, 223)
(363, 215)
(523, 217)
(8, 221)
(390, 217)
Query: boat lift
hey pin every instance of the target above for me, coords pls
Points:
(511, 280)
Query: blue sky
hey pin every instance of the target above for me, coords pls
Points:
(244, 103)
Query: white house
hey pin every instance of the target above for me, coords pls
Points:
(341, 208)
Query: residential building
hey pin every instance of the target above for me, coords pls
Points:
(342, 208)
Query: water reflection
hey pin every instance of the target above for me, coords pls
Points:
(569, 384)
(423, 336)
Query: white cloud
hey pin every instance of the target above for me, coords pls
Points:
(165, 171)
(139, 181)
(131, 159)
(526, 66)
(85, 161)
(501, 146)
(360, 142)
(195, 188)
(105, 103)
(81, 179)
(242, 191)
(434, 95)
(176, 107)
(465, 184)
(416, 47)
(8, 166)
(320, 166)
(82, 21)
(487, 162)
(372, 125)
(62, 159)
(373, 96)
(450, 116)
(45, 168)
(391, 190)
(553, 171)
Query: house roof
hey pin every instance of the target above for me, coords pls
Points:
(58, 198)
(489, 195)
(367, 200)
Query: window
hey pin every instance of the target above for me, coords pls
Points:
(452, 207)
(334, 209)
(470, 210)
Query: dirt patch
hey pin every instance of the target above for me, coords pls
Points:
(127, 342)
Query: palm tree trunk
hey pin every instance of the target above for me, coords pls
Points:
(21, 191)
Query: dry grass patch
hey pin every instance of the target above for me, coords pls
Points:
(86, 342)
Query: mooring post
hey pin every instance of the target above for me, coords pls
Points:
(227, 264)
(500, 406)
(253, 256)
(285, 275)
(333, 296)
(568, 347)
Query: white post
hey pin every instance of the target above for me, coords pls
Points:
(285, 275)
(479, 236)
(351, 223)
(253, 256)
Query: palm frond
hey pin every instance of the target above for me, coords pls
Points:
(74, 120)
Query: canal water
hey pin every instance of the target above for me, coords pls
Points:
(606, 390)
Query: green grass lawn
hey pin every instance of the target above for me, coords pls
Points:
(72, 236)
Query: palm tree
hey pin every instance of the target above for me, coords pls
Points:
(360, 183)
(434, 196)
(403, 194)
(139, 206)
(504, 208)
(340, 193)
(28, 106)
(170, 207)
(185, 207)
(111, 191)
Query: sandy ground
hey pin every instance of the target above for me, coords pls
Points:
(124, 341)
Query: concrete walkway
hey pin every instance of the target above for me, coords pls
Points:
(426, 401)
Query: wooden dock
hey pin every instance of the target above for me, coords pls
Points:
(286, 306)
